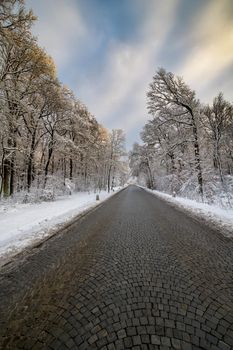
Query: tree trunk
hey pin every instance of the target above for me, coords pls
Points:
(217, 159)
(2, 162)
(53, 164)
(151, 182)
(71, 169)
(172, 157)
(6, 178)
(197, 156)
(196, 150)
(198, 167)
(64, 171)
(31, 161)
(113, 178)
(8, 173)
(109, 178)
(47, 165)
(12, 174)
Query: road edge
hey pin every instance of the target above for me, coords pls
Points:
(52, 232)
(214, 225)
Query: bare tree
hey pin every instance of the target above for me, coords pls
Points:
(172, 102)
(218, 117)
(116, 151)
(140, 161)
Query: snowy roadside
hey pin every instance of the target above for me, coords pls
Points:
(22, 225)
(219, 218)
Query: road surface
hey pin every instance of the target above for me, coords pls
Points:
(135, 273)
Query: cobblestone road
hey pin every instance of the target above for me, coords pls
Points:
(133, 274)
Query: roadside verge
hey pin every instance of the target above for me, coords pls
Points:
(33, 237)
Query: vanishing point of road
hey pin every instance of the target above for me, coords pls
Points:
(135, 273)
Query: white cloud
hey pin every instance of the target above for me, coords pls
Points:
(116, 93)
(212, 52)
(128, 69)
(120, 87)
(60, 28)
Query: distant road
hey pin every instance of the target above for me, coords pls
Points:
(133, 274)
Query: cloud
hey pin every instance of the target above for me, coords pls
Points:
(212, 51)
(110, 70)
(128, 69)
(60, 27)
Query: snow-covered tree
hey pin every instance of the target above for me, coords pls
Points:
(47, 136)
(116, 150)
(187, 146)
(172, 102)
(218, 119)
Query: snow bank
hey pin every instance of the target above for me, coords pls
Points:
(24, 224)
(217, 217)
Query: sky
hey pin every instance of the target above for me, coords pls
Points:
(107, 51)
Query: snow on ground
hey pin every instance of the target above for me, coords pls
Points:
(217, 217)
(24, 224)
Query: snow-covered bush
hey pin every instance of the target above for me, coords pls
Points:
(34, 196)
(59, 186)
(55, 187)
(219, 193)
(169, 184)
(215, 192)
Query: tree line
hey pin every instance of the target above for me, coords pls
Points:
(187, 145)
(48, 138)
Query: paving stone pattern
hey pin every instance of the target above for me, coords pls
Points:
(135, 273)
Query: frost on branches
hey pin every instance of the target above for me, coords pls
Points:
(50, 143)
(187, 147)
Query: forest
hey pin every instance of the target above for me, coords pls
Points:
(187, 146)
(50, 143)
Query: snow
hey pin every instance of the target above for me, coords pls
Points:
(217, 217)
(24, 224)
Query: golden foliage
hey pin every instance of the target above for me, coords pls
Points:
(103, 134)
(43, 62)
(29, 53)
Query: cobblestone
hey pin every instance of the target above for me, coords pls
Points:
(135, 273)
